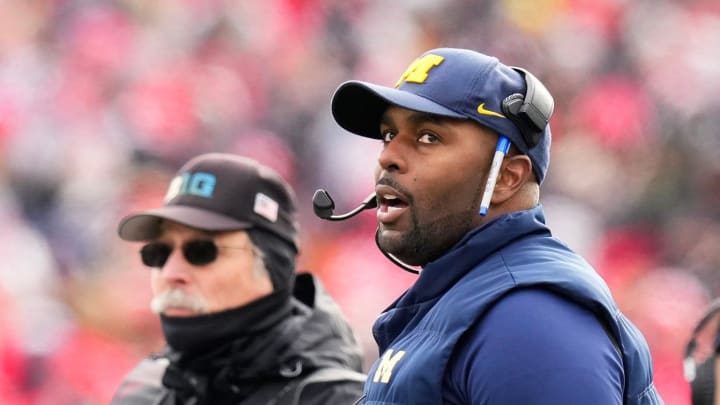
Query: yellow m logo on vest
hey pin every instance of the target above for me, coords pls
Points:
(386, 366)
(419, 69)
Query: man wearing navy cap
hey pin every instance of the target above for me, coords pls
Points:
(502, 312)
(241, 326)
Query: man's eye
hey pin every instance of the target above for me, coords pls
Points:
(387, 135)
(428, 138)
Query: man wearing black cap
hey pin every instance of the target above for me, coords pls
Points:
(241, 327)
(502, 312)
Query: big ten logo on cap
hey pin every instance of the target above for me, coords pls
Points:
(418, 71)
(199, 184)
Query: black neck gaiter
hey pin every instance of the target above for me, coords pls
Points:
(197, 334)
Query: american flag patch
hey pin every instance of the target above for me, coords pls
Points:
(266, 207)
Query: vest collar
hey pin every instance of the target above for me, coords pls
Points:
(438, 276)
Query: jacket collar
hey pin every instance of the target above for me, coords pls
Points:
(438, 276)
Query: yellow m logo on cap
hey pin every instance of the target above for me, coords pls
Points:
(418, 71)
(386, 366)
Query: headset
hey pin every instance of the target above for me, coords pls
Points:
(702, 377)
(530, 112)
(324, 206)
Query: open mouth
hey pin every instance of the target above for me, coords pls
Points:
(391, 204)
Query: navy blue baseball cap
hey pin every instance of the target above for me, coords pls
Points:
(455, 83)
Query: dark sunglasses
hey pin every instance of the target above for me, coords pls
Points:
(198, 252)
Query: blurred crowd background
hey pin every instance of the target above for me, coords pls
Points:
(102, 101)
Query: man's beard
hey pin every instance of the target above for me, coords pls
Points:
(424, 243)
(177, 298)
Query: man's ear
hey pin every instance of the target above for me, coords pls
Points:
(515, 171)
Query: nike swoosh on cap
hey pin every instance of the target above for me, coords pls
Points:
(481, 109)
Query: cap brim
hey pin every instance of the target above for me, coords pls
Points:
(146, 225)
(358, 106)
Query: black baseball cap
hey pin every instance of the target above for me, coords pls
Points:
(221, 192)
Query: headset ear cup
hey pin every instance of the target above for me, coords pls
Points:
(703, 386)
(512, 107)
(511, 104)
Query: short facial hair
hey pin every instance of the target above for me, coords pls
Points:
(429, 241)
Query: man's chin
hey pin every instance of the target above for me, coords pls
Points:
(391, 240)
(396, 244)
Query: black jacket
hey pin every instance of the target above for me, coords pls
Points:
(311, 357)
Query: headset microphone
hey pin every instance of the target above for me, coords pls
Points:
(324, 206)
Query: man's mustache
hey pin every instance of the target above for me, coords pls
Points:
(387, 181)
(177, 299)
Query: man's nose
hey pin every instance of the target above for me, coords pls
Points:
(393, 156)
(176, 269)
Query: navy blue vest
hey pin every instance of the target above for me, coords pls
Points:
(418, 333)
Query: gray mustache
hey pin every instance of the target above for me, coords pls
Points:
(177, 298)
